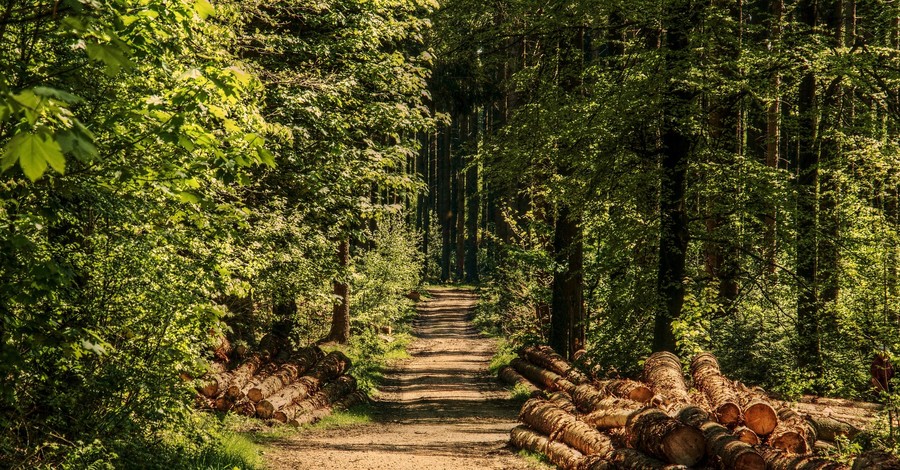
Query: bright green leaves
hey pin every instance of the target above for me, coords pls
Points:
(204, 8)
(33, 152)
(114, 57)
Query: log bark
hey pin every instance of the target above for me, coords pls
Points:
(603, 412)
(219, 383)
(283, 376)
(662, 371)
(297, 391)
(876, 460)
(546, 357)
(745, 434)
(654, 432)
(544, 378)
(759, 415)
(550, 420)
(778, 460)
(841, 403)
(330, 393)
(332, 366)
(560, 454)
(828, 429)
(300, 362)
(718, 390)
(511, 377)
(724, 449)
(564, 401)
(793, 433)
(345, 402)
(624, 388)
(627, 459)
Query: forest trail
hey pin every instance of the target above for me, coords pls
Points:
(439, 409)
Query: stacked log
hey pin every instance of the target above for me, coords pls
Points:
(660, 422)
(299, 386)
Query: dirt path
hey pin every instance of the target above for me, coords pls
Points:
(440, 409)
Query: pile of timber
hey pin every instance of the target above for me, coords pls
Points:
(297, 388)
(580, 421)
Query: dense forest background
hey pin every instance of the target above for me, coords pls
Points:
(616, 176)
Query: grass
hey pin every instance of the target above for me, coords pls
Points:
(233, 451)
(534, 458)
(355, 416)
(519, 393)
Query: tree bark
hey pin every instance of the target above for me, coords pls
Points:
(548, 358)
(509, 376)
(676, 148)
(662, 371)
(567, 305)
(558, 453)
(728, 451)
(445, 213)
(340, 316)
(718, 390)
(550, 420)
(809, 352)
(654, 432)
(474, 203)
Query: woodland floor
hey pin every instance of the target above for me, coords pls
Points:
(439, 409)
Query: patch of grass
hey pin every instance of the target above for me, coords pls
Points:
(534, 457)
(504, 355)
(233, 451)
(519, 393)
(355, 416)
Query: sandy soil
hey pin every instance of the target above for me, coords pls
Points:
(438, 410)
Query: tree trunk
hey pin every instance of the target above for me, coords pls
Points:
(567, 305)
(809, 353)
(445, 213)
(718, 390)
(340, 316)
(745, 434)
(474, 202)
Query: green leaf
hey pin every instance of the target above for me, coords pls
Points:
(79, 146)
(60, 95)
(204, 8)
(34, 152)
(112, 56)
(187, 196)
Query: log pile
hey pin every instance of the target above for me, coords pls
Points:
(581, 421)
(295, 387)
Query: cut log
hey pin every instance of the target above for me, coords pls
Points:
(237, 394)
(285, 375)
(245, 407)
(779, 460)
(297, 391)
(723, 448)
(544, 378)
(329, 394)
(351, 399)
(759, 414)
(511, 377)
(332, 366)
(876, 460)
(563, 400)
(219, 383)
(745, 434)
(624, 388)
(548, 419)
(546, 357)
(560, 454)
(828, 429)
(654, 432)
(662, 371)
(841, 403)
(628, 459)
(793, 433)
(719, 391)
(611, 413)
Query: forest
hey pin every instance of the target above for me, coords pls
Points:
(186, 182)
